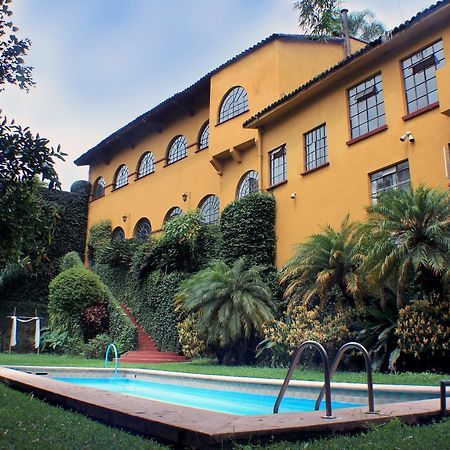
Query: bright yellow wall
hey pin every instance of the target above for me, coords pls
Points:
(260, 73)
(326, 195)
(322, 197)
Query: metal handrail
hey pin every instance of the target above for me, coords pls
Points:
(443, 396)
(337, 360)
(116, 358)
(294, 362)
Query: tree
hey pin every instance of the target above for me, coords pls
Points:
(322, 18)
(326, 261)
(25, 226)
(12, 50)
(231, 304)
(408, 240)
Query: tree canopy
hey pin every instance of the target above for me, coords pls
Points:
(322, 18)
(25, 228)
(13, 69)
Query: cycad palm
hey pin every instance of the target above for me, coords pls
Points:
(231, 303)
(327, 260)
(408, 237)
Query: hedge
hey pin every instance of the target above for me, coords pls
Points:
(29, 291)
(248, 229)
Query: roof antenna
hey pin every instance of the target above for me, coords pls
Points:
(344, 19)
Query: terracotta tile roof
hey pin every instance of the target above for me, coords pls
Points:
(360, 53)
(89, 155)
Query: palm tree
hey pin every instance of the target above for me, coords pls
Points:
(408, 239)
(326, 261)
(231, 303)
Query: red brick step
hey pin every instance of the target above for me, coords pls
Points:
(147, 351)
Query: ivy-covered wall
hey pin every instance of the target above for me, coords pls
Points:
(29, 290)
(247, 228)
(146, 275)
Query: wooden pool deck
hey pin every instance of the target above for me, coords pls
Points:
(184, 426)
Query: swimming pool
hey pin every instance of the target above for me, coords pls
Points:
(203, 428)
(241, 403)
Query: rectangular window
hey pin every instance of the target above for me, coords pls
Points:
(316, 153)
(366, 106)
(278, 165)
(391, 178)
(419, 76)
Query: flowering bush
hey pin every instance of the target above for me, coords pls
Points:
(191, 343)
(303, 323)
(424, 331)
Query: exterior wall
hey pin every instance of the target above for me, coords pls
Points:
(260, 73)
(326, 195)
(323, 196)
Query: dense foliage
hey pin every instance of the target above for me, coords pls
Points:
(24, 285)
(399, 256)
(322, 18)
(71, 259)
(248, 230)
(230, 305)
(424, 333)
(69, 294)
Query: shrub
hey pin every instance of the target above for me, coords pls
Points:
(71, 259)
(97, 346)
(55, 341)
(247, 227)
(424, 332)
(118, 253)
(99, 238)
(81, 187)
(94, 320)
(302, 324)
(70, 292)
(191, 343)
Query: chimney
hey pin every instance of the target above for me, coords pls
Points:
(344, 19)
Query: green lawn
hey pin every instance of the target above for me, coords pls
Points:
(29, 423)
(209, 367)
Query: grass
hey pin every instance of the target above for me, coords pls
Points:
(31, 423)
(393, 435)
(27, 422)
(209, 367)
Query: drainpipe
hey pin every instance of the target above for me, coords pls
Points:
(344, 19)
(260, 158)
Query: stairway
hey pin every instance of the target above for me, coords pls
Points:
(147, 352)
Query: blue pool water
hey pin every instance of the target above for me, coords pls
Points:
(240, 403)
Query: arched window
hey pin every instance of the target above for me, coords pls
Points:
(173, 212)
(249, 183)
(146, 165)
(234, 103)
(203, 140)
(98, 189)
(142, 229)
(209, 208)
(121, 178)
(118, 234)
(177, 149)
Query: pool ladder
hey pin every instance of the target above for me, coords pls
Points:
(116, 358)
(328, 375)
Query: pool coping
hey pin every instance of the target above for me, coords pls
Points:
(198, 428)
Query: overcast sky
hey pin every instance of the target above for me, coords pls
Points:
(98, 64)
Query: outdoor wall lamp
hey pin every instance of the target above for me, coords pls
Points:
(408, 135)
(125, 217)
(185, 196)
(293, 195)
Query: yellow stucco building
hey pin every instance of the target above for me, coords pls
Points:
(292, 116)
